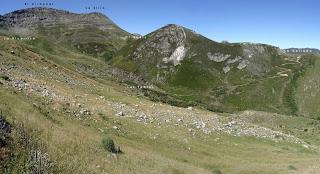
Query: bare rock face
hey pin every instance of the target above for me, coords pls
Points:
(218, 57)
(231, 61)
(136, 36)
(243, 64)
(177, 56)
(257, 58)
(170, 34)
(162, 50)
(226, 69)
(166, 39)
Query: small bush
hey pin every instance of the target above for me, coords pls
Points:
(109, 145)
(104, 117)
(291, 167)
(216, 171)
(4, 77)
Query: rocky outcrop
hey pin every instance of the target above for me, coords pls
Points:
(164, 40)
(218, 57)
(226, 69)
(231, 61)
(5, 127)
(160, 52)
(177, 56)
(243, 64)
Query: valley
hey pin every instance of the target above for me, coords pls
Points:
(67, 90)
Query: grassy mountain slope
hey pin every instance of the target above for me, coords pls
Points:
(307, 90)
(218, 76)
(69, 114)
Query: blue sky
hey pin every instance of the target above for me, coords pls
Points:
(283, 23)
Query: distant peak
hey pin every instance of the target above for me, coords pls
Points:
(178, 27)
(56, 13)
(173, 26)
(38, 10)
(29, 19)
(301, 50)
(44, 10)
(96, 14)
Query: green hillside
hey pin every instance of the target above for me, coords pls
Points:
(66, 107)
(221, 77)
(67, 115)
(307, 90)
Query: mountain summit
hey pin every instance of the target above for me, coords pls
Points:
(26, 20)
(223, 76)
(169, 48)
(92, 33)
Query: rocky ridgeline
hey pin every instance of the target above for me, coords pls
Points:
(162, 55)
(257, 57)
(169, 42)
(26, 20)
(165, 40)
(229, 62)
(248, 60)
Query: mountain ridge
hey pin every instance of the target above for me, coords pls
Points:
(99, 14)
(185, 63)
(301, 50)
(30, 18)
(91, 33)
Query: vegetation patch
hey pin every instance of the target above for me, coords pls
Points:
(22, 151)
(110, 146)
(290, 91)
(291, 167)
(166, 98)
(4, 77)
(216, 171)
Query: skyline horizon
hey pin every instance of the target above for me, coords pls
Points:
(233, 36)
